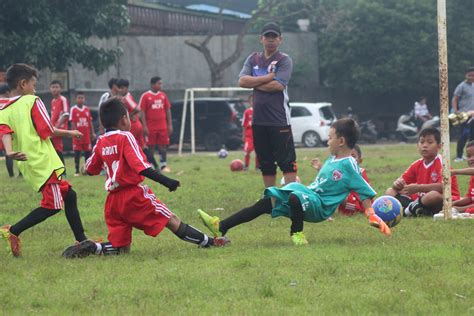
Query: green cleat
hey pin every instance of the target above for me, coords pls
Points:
(211, 222)
(299, 239)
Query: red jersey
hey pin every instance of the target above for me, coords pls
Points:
(247, 123)
(122, 158)
(470, 190)
(82, 118)
(3, 101)
(421, 173)
(59, 108)
(154, 106)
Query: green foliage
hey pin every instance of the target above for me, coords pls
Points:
(54, 33)
(390, 46)
(348, 267)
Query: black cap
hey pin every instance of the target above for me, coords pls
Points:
(271, 27)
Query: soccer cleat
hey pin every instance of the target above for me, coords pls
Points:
(377, 222)
(80, 250)
(211, 222)
(220, 241)
(299, 239)
(415, 209)
(165, 169)
(13, 241)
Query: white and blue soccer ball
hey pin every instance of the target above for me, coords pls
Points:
(222, 153)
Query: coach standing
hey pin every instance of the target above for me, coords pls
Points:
(268, 73)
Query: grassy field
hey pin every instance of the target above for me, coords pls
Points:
(348, 268)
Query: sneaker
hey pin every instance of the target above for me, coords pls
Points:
(13, 241)
(299, 239)
(211, 222)
(220, 241)
(458, 159)
(415, 209)
(76, 174)
(166, 169)
(80, 250)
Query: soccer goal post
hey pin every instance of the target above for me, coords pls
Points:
(189, 98)
(444, 106)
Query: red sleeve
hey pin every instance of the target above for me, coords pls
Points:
(94, 164)
(245, 120)
(410, 174)
(134, 154)
(5, 129)
(71, 115)
(65, 105)
(41, 120)
(364, 175)
(470, 190)
(142, 103)
(131, 101)
(454, 188)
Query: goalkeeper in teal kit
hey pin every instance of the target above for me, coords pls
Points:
(338, 176)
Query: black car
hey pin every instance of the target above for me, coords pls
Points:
(218, 121)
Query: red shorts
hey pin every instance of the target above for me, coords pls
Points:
(57, 143)
(159, 137)
(248, 145)
(352, 205)
(82, 147)
(134, 206)
(137, 131)
(54, 192)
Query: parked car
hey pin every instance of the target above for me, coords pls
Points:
(218, 121)
(310, 122)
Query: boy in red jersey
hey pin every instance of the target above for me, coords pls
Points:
(130, 204)
(352, 204)
(25, 117)
(158, 127)
(420, 188)
(134, 112)
(466, 204)
(81, 119)
(59, 116)
(4, 99)
(248, 134)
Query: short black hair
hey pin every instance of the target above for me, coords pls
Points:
(357, 149)
(18, 72)
(347, 128)
(123, 83)
(431, 131)
(154, 80)
(469, 69)
(470, 144)
(56, 82)
(80, 93)
(4, 88)
(113, 82)
(111, 112)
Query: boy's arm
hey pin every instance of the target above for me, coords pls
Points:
(465, 171)
(7, 144)
(66, 133)
(463, 202)
(415, 188)
(156, 176)
(142, 107)
(169, 121)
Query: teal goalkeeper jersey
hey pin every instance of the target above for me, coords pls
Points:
(336, 179)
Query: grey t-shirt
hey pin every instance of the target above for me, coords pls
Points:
(270, 108)
(465, 92)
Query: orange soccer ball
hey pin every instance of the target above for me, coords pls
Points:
(237, 165)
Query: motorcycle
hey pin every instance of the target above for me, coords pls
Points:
(368, 131)
(407, 128)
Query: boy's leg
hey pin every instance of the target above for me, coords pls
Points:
(465, 134)
(429, 204)
(9, 164)
(162, 151)
(297, 219)
(216, 226)
(190, 234)
(72, 215)
(150, 155)
(87, 155)
(77, 159)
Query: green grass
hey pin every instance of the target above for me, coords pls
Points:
(348, 268)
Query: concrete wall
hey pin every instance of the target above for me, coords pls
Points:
(183, 67)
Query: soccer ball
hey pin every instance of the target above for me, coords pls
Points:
(282, 181)
(222, 153)
(237, 165)
(388, 209)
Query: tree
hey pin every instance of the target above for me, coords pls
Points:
(55, 33)
(390, 46)
(267, 9)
